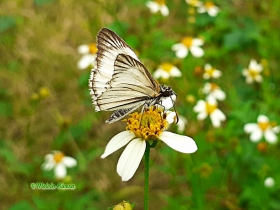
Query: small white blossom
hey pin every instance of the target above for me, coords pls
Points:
(189, 44)
(158, 6)
(253, 73)
(59, 162)
(209, 107)
(269, 182)
(214, 91)
(88, 53)
(166, 70)
(208, 7)
(262, 128)
(210, 72)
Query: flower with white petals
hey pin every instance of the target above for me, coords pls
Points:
(214, 91)
(269, 182)
(189, 44)
(158, 6)
(166, 70)
(194, 3)
(140, 130)
(253, 73)
(88, 53)
(210, 72)
(262, 128)
(209, 107)
(59, 162)
(208, 7)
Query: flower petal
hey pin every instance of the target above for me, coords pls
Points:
(219, 94)
(175, 72)
(83, 49)
(180, 50)
(131, 158)
(197, 51)
(251, 127)
(270, 136)
(178, 142)
(60, 171)
(200, 106)
(86, 61)
(197, 42)
(256, 135)
(262, 119)
(161, 73)
(117, 142)
(69, 161)
(164, 10)
(153, 6)
(201, 9)
(213, 11)
(216, 117)
(47, 166)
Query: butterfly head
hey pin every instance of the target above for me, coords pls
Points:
(167, 96)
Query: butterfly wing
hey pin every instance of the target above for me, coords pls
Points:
(119, 82)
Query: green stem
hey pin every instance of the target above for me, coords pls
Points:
(147, 167)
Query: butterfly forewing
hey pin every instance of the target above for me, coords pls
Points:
(119, 81)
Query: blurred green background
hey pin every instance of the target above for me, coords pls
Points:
(45, 105)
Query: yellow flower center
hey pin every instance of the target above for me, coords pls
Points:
(166, 67)
(187, 41)
(160, 2)
(253, 73)
(148, 125)
(92, 48)
(209, 4)
(213, 86)
(58, 156)
(210, 108)
(263, 125)
(210, 71)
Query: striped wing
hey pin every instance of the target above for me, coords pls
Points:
(119, 82)
(109, 46)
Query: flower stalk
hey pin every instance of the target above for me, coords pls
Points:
(146, 179)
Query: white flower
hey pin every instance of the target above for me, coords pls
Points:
(189, 44)
(88, 53)
(158, 6)
(194, 3)
(59, 162)
(253, 73)
(269, 182)
(262, 128)
(211, 72)
(214, 91)
(209, 107)
(208, 7)
(181, 125)
(166, 70)
(152, 128)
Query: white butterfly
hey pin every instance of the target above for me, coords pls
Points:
(119, 82)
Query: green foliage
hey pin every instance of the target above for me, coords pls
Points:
(38, 48)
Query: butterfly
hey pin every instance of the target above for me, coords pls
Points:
(119, 82)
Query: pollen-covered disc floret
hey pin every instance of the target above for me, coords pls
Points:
(148, 125)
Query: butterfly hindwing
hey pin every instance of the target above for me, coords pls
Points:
(129, 86)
